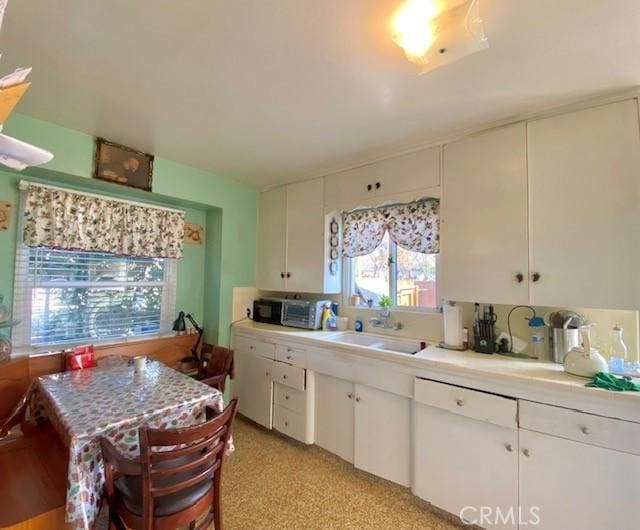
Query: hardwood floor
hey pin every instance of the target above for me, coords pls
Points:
(33, 484)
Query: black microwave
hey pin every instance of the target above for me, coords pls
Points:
(268, 310)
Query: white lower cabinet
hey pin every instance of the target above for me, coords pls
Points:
(382, 434)
(494, 461)
(293, 401)
(335, 415)
(463, 463)
(364, 426)
(253, 386)
(569, 484)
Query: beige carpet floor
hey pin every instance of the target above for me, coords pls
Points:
(273, 483)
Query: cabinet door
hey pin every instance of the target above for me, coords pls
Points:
(334, 416)
(484, 218)
(305, 237)
(253, 387)
(461, 462)
(383, 434)
(272, 235)
(410, 172)
(574, 485)
(584, 170)
(350, 188)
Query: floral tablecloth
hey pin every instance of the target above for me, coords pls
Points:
(113, 402)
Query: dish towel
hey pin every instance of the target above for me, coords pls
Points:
(613, 383)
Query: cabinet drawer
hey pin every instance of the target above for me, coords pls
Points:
(245, 344)
(290, 423)
(466, 402)
(288, 375)
(290, 398)
(290, 355)
(614, 434)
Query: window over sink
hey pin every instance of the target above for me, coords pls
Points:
(392, 251)
(409, 278)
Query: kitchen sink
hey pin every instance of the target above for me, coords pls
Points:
(408, 347)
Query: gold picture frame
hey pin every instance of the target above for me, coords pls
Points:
(123, 165)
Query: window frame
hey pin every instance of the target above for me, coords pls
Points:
(348, 284)
(22, 298)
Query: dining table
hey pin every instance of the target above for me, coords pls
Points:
(113, 402)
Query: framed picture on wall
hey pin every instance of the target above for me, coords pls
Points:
(123, 165)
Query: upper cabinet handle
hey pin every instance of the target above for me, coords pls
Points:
(282, 275)
(369, 187)
(288, 275)
(377, 185)
(535, 276)
(519, 277)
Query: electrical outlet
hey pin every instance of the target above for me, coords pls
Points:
(248, 312)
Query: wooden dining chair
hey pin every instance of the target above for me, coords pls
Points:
(176, 479)
(216, 365)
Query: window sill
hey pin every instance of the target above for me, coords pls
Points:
(398, 310)
(29, 351)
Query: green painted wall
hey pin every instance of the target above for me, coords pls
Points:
(228, 209)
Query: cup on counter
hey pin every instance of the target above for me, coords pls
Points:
(342, 323)
(139, 364)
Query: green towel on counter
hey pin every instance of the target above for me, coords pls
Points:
(611, 382)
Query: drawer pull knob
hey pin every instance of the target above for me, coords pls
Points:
(459, 402)
(358, 399)
(251, 347)
(509, 448)
(535, 277)
(350, 396)
(284, 376)
(286, 424)
(286, 397)
(585, 430)
(267, 374)
(288, 357)
(289, 350)
(519, 277)
(526, 453)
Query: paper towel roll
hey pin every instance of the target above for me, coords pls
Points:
(452, 325)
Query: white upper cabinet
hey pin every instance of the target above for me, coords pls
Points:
(305, 237)
(291, 240)
(484, 218)
(584, 192)
(272, 241)
(350, 188)
(410, 172)
(375, 183)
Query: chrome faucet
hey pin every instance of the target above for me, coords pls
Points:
(382, 321)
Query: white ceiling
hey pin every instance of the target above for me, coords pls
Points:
(269, 91)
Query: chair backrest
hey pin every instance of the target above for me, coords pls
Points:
(176, 459)
(219, 360)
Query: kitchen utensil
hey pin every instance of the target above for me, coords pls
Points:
(558, 319)
(585, 361)
(563, 340)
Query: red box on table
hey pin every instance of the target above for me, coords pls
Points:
(82, 357)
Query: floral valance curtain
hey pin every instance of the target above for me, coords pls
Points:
(414, 226)
(66, 219)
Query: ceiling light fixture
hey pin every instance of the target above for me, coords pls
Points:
(433, 33)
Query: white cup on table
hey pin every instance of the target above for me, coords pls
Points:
(139, 364)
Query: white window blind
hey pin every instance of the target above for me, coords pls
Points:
(70, 297)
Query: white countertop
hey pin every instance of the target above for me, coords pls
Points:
(523, 378)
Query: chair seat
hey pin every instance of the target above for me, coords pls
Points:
(130, 490)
